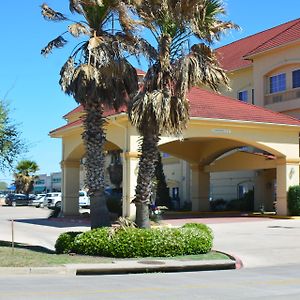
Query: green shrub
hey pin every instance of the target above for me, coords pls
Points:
(93, 242)
(65, 242)
(294, 200)
(134, 242)
(199, 226)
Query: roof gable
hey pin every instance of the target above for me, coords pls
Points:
(290, 34)
(232, 56)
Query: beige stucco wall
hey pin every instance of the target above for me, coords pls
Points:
(202, 143)
(216, 135)
(240, 80)
(284, 59)
(272, 62)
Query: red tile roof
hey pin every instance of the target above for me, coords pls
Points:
(107, 113)
(290, 34)
(232, 56)
(206, 104)
(78, 109)
(140, 72)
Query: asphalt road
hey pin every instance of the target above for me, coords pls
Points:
(269, 249)
(31, 225)
(252, 283)
(257, 242)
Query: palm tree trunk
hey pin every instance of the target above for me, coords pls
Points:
(94, 140)
(146, 172)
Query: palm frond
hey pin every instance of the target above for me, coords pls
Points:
(58, 42)
(50, 14)
(136, 45)
(75, 6)
(66, 75)
(78, 29)
(199, 68)
(205, 23)
(94, 13)
(159, 112)
(126, 22)
(83, 86)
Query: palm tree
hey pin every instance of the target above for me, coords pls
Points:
(161, 106)
(97, 75)
(25, 175)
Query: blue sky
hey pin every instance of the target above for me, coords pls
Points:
(29, 82)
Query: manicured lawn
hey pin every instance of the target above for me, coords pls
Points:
(34, 256)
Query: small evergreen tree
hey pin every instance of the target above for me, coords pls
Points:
(162, 191)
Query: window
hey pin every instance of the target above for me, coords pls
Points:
(296, 78)
(56, 180)
(277, 83)
(243, 96)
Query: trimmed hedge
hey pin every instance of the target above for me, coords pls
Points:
(134, 242)
(294, 200)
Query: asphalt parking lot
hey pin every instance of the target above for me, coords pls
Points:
(256, 241)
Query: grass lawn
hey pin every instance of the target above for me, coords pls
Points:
(35, 256)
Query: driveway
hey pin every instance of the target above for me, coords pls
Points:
(257, 242)
(32, 226)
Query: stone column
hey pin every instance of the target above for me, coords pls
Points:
(287, 174)
(130, 171)
(200, 188)
(70, 188)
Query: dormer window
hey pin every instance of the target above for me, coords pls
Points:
(277, 83)
(296, 78)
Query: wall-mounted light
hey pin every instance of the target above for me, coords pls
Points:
(292, 172)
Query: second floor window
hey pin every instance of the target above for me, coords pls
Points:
(296, 78)
(243, 96)
(277, 83)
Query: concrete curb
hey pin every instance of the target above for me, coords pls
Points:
(125, 267)
(156, 266)
(36, 271)
(274, 216)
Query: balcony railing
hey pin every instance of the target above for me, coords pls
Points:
(282, 96)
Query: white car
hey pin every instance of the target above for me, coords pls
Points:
(84, 199)
(38, 200)
(53, 200)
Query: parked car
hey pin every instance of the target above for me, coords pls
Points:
(53, 200)
(38, 200)
(16, 199)
(84, 199)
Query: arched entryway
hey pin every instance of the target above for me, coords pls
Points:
(217, 125)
